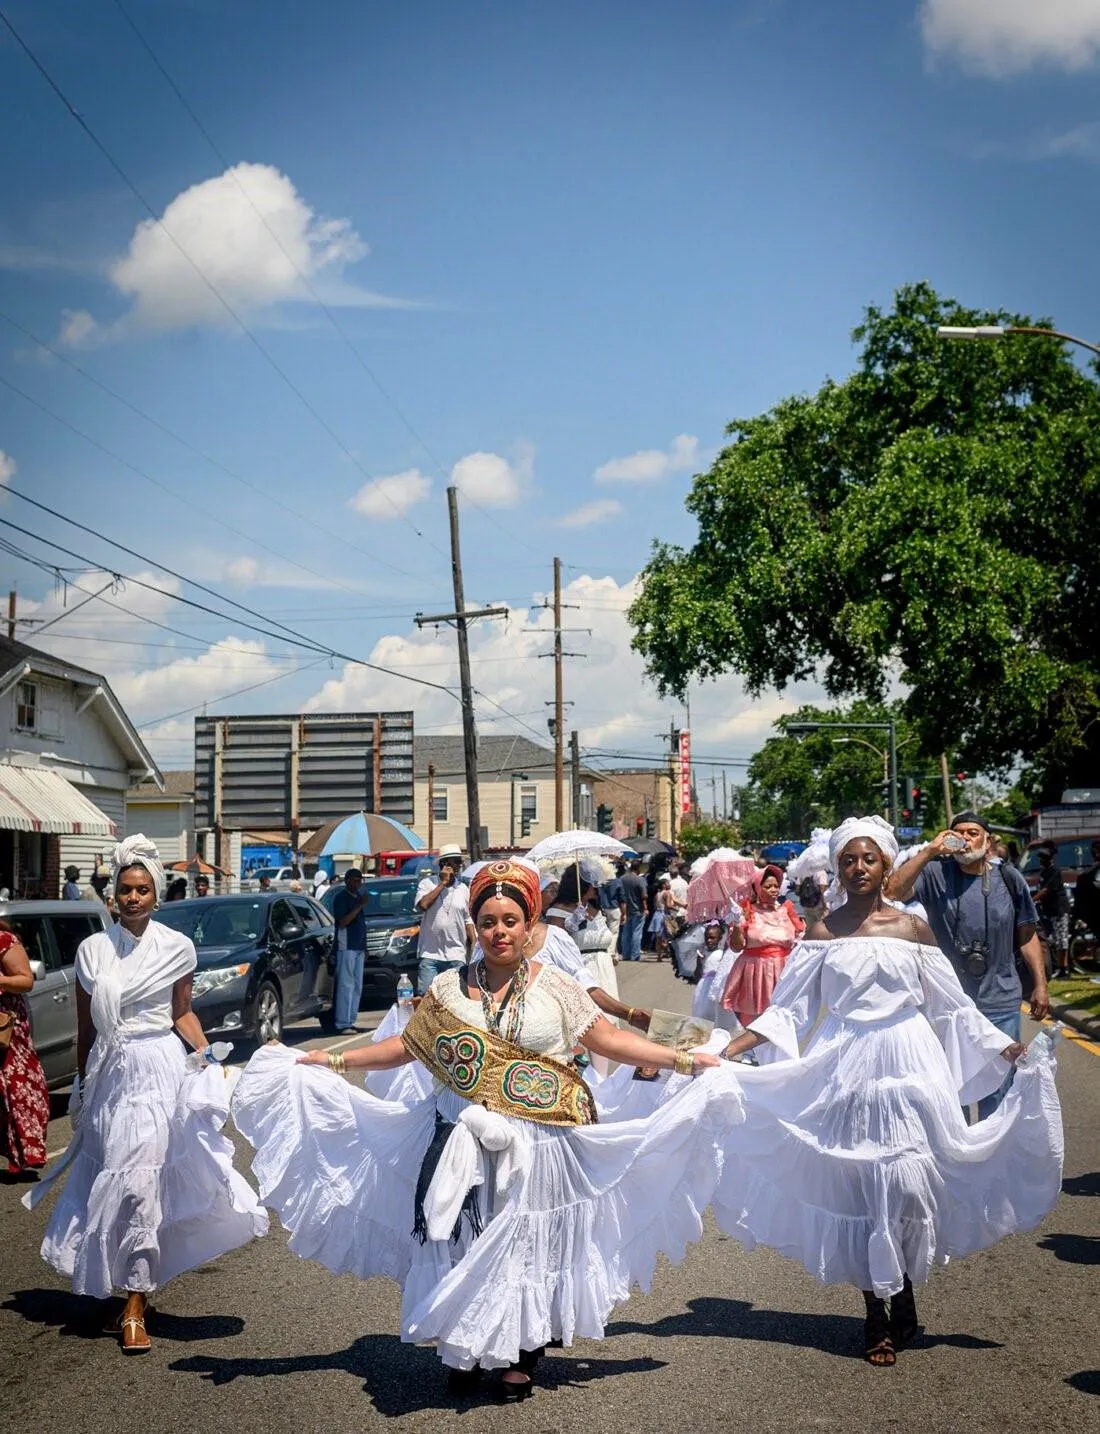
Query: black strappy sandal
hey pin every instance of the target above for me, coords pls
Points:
(512, 1391)
(878, 1346)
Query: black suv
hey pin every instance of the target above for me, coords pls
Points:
(264, 959)
(393, 934)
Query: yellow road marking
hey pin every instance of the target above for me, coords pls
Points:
(1069, 1033)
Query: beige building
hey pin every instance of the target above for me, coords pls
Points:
(636, 795)
(515, 790)
(166, 817)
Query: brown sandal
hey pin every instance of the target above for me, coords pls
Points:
(139, 1344)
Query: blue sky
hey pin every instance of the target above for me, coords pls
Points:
(560, 237)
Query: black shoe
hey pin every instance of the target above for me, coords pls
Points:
(463, 1381)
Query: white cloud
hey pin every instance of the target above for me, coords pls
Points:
(252, 235)
(507, 668)
(8, 467)
(391, 496)
(1003, 37)
(77, 328)
(244, 570)
(195, 678)
(589, 513)
(650, 465)
(492, 481)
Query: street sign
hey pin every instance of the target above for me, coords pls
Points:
(910, 832)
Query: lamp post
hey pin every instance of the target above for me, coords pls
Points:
(1002, 331)
(892, 750)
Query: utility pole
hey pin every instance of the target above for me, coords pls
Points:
(725, 799)
(11, 616)
(559, 709)
(948, 814)
(575, 759)
(459, 618)
(431, 807)
(673, 781)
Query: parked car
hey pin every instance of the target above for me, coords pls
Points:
(51, 931)
(282, 877)
(393, 934)
(1072, 856)
(265, 960)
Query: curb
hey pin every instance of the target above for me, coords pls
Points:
(1082, 1021)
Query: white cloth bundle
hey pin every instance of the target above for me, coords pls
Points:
(462, 1165)
(138, 850)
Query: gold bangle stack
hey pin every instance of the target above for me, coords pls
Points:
(683, 1063)
(630, 1014)
(336, 1062)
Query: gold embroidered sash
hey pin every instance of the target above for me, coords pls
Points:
(495, 1073)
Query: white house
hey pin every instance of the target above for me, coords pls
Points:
(68, 755)
(165, 812)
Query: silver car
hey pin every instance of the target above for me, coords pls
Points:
(51, 931)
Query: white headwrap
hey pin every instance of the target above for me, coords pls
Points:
(874, 828)
(138, 850)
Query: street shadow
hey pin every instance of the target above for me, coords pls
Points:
(1074, 1249)
(401, 1379)
(1082, 1184)
(739, 1319)
(1086, 1381)
(81, 1317)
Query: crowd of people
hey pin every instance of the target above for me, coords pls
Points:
(496, 1165)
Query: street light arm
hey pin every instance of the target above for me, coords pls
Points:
(1000, 331)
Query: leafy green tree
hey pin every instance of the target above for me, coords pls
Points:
(930, 519)
(697, 838)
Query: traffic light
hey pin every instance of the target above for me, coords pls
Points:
(525, 826)
(603, 819)
(916, 801)
(639, 825)
(650, 827)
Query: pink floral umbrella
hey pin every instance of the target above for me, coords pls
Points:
(725, 878)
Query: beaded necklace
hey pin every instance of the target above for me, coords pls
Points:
(514, 999)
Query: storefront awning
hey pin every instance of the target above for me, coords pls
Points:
(34, 799)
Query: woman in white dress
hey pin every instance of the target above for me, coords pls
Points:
(508, 1216)
(854, 1157)
(151, 1191)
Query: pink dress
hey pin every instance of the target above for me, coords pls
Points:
(769, 938)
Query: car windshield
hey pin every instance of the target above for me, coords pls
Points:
(390, 898)
(1068, 856)
(217, 921)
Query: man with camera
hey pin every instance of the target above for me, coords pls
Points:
(446, 931)
(982, 915)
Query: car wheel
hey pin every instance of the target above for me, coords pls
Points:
(268, 1021)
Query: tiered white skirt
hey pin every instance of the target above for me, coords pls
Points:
(856, 1160)
(152, 1191)
(584, 1224)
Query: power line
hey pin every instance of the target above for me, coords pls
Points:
(226, 305)
(191, 447)
(225, 696)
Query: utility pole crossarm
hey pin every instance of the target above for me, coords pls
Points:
(468, 615)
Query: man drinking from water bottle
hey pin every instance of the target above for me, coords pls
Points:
(446, 931)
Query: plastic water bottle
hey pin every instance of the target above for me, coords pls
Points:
(405, 992)
(212, 1055)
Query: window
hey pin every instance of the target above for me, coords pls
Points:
(529, 804)
(283, 919)
(26, 706)
(307, 913)
(70, 931)
(31, 930)
(440, 803)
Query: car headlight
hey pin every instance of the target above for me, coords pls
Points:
(401, 939)
(217, 976)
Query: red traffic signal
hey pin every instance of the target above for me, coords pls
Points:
(639, 825)
(960, 776)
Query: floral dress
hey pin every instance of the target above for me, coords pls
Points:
(24, 1099)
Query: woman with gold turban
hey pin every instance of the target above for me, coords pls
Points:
(853, 1156)
(510, 1217)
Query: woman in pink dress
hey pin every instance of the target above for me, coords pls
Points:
(24, 1100)
(765, 937)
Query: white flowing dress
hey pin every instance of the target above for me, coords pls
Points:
(151, 1190)
(854, 1157)
(571, 1221)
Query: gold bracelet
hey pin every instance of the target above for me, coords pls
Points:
(336, 1062)
(683, 1063)
(630, 1013)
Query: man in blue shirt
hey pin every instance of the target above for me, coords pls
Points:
(981, 913)
(613, 906)
(351, 944)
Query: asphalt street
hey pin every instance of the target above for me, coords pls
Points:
(727, 1340)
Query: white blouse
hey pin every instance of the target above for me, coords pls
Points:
(150, 1016)
(866, 980)
(556, 1011)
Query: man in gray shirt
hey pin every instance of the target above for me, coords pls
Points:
(981, 913)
